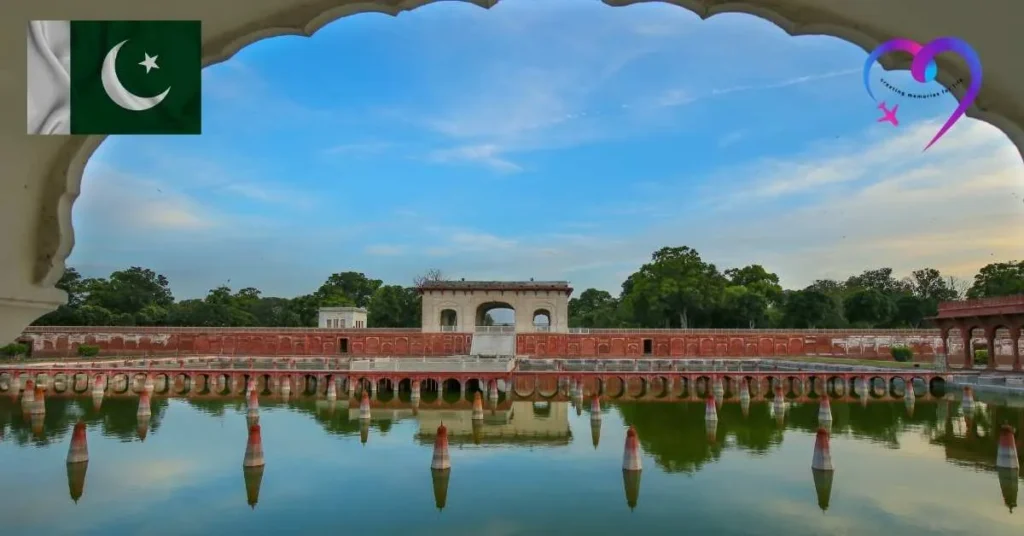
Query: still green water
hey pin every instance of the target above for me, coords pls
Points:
(529, 469)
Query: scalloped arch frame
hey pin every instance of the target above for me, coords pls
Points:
(55, 238)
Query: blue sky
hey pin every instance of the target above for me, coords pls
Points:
(548, 139)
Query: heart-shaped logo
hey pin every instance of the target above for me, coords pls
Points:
(924, 69)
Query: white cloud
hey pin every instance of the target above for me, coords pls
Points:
(488, 155)
(121, 201)
(269, 194)
(360, 149)
(680, 97)
(875, 201)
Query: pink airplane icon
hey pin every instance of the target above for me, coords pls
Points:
(889, 115)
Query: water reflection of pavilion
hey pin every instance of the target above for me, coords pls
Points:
(516, 423)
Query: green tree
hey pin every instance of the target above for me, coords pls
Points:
(758, 280)
(743, 307)
(868, 307)
(678, 287)
(347, 289)
(594, 309)
(810, 308)
(67, 315)
(129, 291)
(911, 311)
(95, 315)
(274, 312)
(880, 279)
(394, 306)
(998, 279)
(928, 284)
(152, 315)
(306, 309)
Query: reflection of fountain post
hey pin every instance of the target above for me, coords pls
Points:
(967, 404)
(78, 451)
(142, 427)
(822, 469)
(478, 407)
(350, 386)
(37, 421)
(254, 448)
(478, 431)
(780, 400)
(1006, 456)
(631, 460)
(253, 479)
(76, 479)
(440, 467)
(144, 406)
(710, 410)
(364, 431)
(39, 402)
(631, 482)
(825, 411)
(822, 458)
(286, 388)
(631, 467)
(364, 407)
(440, 478)
(823, 487)
(1009, 480)
(711, 428)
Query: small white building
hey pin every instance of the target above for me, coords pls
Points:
(342, 317)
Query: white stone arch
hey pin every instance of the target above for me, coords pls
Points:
(523, 297)
(541, 307)
(42, 175)
(437, 313)
(485, 306)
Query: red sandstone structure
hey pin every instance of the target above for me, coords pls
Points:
(989, 316)
(998, 321)
(370, 342)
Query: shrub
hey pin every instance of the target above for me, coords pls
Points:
(86, 350)
(14, 349)
(902, 354)
(981, 357)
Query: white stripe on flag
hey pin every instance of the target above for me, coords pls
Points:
(49, 77)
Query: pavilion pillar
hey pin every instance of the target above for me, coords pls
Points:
(990, 340)
(944, 333)
(965, 334)
(1015, 340)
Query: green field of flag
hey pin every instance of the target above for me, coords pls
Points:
(122, 77)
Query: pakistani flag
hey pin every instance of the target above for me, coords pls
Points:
(114, 77)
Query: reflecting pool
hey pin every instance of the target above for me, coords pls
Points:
(523, 467)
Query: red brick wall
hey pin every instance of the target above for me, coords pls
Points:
(49, 342)
(58, 342)
(853, 344)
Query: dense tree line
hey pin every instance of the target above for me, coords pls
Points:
(142, 297)
(676, 289)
